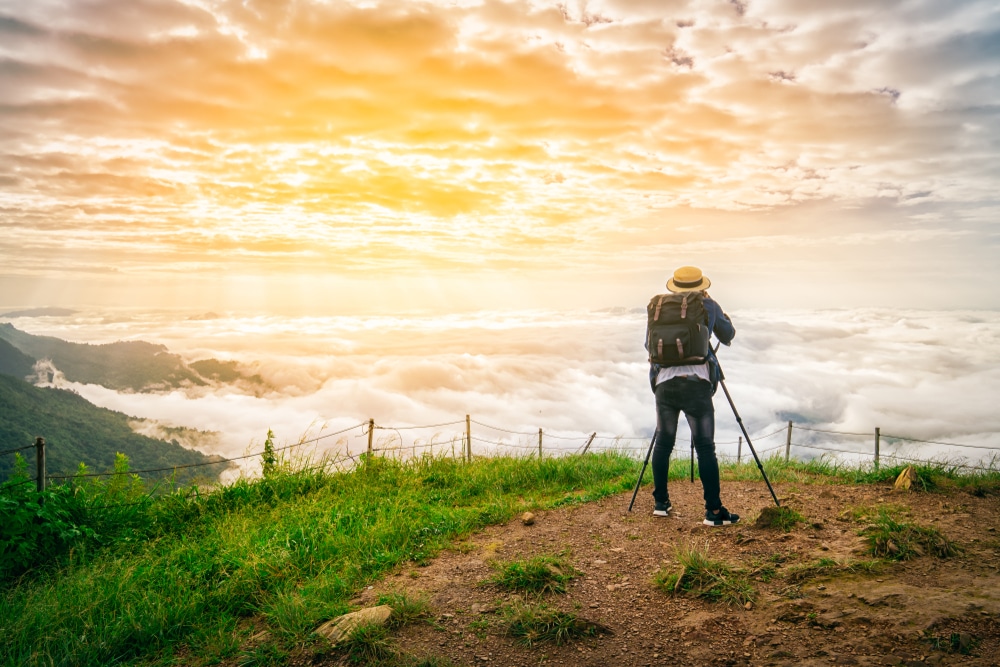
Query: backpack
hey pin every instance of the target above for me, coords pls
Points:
(677, 331)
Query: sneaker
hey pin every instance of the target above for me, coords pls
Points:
(722, 517)
(661, 509)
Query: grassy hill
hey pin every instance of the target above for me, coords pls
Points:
(244, 575)
(76, 431)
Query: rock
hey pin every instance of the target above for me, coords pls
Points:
(906, 479)
(528, 519)
(340, 628)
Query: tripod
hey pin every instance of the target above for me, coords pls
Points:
(739, 420)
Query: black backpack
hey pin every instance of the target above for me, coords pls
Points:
(677, 331)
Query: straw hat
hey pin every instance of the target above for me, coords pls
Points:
(688, 279)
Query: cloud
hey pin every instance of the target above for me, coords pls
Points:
(922, 375)
(408, 134)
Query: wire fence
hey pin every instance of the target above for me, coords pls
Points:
(450, 438)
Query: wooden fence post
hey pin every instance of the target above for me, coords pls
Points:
(539, 443)
(788, 442)
(371, 431)
(878, 436)
(739, 450)
(468, 439)
(40, 463)
(587, 446)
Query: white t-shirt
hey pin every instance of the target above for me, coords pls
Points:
(697, 370)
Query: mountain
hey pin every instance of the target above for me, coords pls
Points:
(123, 366)
(39, 312)
(77, 431)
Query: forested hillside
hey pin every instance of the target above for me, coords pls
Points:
(77, 431)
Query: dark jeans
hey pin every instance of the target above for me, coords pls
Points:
(694, 397)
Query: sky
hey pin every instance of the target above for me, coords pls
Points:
(303, 157)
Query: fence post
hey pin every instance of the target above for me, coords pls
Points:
(878, 436)
(788, 442)
(371, 431)
(739, 450)
(587, 446)
(468, 439)
(40, 463)
(539, 443)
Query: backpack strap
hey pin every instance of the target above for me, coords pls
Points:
(656, 315)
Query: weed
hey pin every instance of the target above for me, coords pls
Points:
(898, 540)
(783, 518)
(536, 624)
(539, 574)
(705, 578)
(369, 645)
(956, 642)
(405, 609)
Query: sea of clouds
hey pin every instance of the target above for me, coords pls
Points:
(923, 375)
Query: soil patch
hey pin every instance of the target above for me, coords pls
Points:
(819, 598)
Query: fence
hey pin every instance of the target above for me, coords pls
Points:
(525, 443)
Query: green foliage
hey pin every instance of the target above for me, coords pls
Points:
(538, 574)
(703, 577)
(535, 624)
(269, 460)
(88, 513)
(292, 549)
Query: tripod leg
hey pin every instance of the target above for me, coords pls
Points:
(642, 472)
(692, 460)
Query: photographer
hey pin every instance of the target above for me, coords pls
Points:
(689, 387)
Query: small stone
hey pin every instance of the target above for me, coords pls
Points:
(341, 627)
(748, 605)
(528, 519)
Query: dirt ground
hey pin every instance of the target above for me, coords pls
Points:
(925, 611)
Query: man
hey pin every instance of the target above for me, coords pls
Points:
(689, 388)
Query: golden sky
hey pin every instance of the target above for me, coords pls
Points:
(271, 154)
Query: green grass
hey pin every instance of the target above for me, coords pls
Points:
(405, 609)
(781, 518)
(534, 624)
(891, 538)
(537, 575)
(289, 550)
(700, 576)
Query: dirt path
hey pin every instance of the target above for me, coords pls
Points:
(926, 610)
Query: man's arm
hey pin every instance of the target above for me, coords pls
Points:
(721, 325)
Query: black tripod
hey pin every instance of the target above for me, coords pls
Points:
(739, 420)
